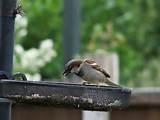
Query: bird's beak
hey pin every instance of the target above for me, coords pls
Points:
(65, 72)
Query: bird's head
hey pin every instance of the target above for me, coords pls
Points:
(72, 66)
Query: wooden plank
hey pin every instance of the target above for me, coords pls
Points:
(144, 105)
(86, 97)
(137, 113)
(28, 112)
(145, 97)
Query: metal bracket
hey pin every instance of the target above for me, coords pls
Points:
(17, 76)
(4, 75)
(8, 9)
(5, 109)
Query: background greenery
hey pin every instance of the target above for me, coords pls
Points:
(131, 28)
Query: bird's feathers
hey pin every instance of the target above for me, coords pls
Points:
(88, 70)
(70, 65)
(97, 67)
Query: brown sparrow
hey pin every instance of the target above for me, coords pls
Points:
(88, 70)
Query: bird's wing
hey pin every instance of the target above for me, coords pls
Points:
(97, 67)
(101, 70)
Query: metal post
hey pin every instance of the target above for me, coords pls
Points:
(71, 39)
(7, 17)
(5, 109)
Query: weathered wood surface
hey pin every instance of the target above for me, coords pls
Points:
(144, 105)
(77, 96)
(145, 97)
(28, 112)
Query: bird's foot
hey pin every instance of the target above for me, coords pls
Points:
(84, 83)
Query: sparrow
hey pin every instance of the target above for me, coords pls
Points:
(88, 70)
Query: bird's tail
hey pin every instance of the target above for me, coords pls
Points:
(111, 83)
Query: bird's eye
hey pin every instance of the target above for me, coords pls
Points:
(70, 67)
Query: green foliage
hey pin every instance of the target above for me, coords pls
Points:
(131, 28)
(45, 21)
(132, 31)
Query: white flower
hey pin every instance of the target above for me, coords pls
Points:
(30, 61)
(22, 33)
(19, 49)
(31, 54)
(20, 26)
(47, 43)
(21, 21)
(46, 50)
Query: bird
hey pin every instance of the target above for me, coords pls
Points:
(89, 71)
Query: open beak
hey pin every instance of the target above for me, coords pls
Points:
(66, 72)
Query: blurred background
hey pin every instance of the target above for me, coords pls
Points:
(128, 28)
(53, 31)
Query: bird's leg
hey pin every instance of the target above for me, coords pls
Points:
(84, 82)
(99, 85)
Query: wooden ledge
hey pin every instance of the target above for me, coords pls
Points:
(84, 97)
